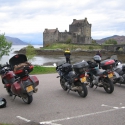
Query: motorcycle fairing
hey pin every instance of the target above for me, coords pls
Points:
(8, 78)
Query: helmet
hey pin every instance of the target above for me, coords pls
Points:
(3, 102)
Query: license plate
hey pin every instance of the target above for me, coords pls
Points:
(83, 79)
(110, 75)
(29, 88)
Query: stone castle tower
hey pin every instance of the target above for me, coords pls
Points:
(79, 33)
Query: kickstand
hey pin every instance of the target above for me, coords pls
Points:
(68, 91)
(95, 88)
(14, 97)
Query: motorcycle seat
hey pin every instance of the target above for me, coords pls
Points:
(99, 73)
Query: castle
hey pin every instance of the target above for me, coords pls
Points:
(79, 33)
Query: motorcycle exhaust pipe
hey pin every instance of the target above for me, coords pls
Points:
(76, 88)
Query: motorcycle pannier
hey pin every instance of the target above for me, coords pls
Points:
(80, 67)
(66, 67)
(107, 64)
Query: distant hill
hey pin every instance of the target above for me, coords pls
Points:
(119, 39)
(15, 41)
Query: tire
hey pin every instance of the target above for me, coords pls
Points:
(84, 91)
(91, 84)
(62, 83)
(9, 91)
(108, 85)
(27, 99)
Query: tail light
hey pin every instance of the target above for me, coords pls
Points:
(81, 76)
(7, 85)
(25, 78)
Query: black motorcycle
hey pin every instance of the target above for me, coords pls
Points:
(73, 77)
(100, 77)
(119, 73)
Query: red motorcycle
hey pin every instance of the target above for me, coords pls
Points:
(16, 79)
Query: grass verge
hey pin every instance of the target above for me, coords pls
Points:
(43, 70)
(73, 46)
(4, 124)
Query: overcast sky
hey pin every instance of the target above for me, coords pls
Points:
(27, 19)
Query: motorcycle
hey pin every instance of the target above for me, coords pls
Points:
(8, 77)
(119, 72)
(73, 78)
(100, 77)
(17, 80)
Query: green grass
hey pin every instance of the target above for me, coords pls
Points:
(72, 46)
(4, 124)
(43, 70)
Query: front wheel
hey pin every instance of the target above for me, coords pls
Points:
(108, 85)
(9, 91)
(62, 83)
(83, 91)
(27, 99)
(90, 81)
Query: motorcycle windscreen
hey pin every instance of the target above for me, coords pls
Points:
(17, 59)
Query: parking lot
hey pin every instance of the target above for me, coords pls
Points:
(54, 106)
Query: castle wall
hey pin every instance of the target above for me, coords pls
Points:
(49, 38)
(64, 36)
(75, 28)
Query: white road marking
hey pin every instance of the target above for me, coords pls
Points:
(123, 107)
(49, 123)
(24, 119)
(80, 116)
(110, 106)
(52, 122)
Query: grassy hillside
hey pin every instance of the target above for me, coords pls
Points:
(72, 46)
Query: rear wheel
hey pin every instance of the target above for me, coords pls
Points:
(108, 85)
(62, 83)
(27, 98)
(83, 91)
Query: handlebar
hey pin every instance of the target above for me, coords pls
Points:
(5, 65)
(5, 68)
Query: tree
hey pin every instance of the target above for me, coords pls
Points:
(5, 47)
(94, 41)
(111, 41)
(68, 40)
(30, 52)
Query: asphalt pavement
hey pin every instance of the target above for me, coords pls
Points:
(53, 106)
